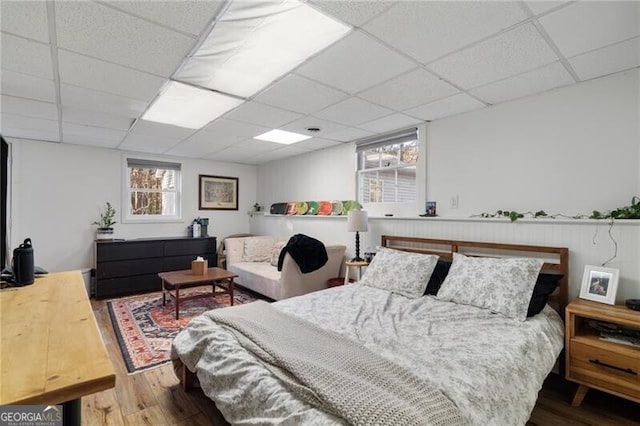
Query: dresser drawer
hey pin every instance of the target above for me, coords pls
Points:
(606, 369)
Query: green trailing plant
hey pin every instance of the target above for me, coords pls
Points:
(106, 219)
(628, 212)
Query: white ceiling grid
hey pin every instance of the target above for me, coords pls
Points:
(83, 72)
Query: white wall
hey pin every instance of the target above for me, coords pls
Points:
(568, 151)
(58, 190)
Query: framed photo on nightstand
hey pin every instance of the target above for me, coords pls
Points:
(599, 284)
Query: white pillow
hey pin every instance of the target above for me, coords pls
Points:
(257, 249)
(502, 285)
(400, 272)
(275, 252)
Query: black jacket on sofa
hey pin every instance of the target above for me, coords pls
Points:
(310, 254)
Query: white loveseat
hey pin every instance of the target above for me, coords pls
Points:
(255, 260)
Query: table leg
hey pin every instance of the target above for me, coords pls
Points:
(71, 412)
(579, 395)
(231, 290)
(358, 272)
(164, 293)
(177, 301)
(346, 275)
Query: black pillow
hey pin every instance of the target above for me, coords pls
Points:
(437, 277)
(545, 285)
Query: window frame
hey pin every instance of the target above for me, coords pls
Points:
(402, 136)
(126, 191)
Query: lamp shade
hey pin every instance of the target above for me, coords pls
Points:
(357, 221)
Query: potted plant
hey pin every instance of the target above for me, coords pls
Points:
(105, 224)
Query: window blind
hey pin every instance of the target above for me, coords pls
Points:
(401, 136)
(152, 164)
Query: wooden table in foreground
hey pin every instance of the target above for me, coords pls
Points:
(52, 350)
(175, 280)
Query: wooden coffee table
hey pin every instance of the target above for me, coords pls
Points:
(173, 281)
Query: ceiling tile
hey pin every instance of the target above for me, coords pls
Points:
(316, 143)
(408, 90)
(183, 15)
(246, 148)
(607, 60)
(427, 30)
(301, 126)
(169, 131)
(96, 119)
(26, 86)
(353, 111)
(148, 143)
(536, 81)
(27, 57)
(216, 136)
(98, 101)
(589, 25)
(278, 154)
(297, 93)
(142, 147)
(19, 126)
(354, 12)
(349, 134)
(79, 70)
(541, 6)
(29, 108)
(391, 122)
(90, 135)
(455, 104)
(105, 33)
(262, 115)
(26, 18)
(508, 54)
(355, 63)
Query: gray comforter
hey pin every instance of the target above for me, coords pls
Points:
(490, 366)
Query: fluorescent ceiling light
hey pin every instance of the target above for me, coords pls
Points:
(186, 106)
(254, 43)
(280, 136)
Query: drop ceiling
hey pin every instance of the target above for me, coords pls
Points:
(83, 72)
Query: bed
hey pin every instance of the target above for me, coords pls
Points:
(470, 343)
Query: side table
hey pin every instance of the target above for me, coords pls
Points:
(353, 264)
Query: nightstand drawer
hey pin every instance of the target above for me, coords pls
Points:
(604, 368)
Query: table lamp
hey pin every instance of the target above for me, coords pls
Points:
(357, 222)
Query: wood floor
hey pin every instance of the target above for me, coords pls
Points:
(155, 397)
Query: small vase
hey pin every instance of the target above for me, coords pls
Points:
(104, 234)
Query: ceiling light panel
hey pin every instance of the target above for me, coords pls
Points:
(186, 106)
(254, 43)
(281, 136)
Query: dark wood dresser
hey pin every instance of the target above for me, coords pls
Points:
(126, 267)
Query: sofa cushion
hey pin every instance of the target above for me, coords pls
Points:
(257, 249)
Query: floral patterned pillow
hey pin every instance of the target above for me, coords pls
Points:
(275, 253)
(504, 285)
(400, 272)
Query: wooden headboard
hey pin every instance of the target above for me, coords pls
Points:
(556, 259)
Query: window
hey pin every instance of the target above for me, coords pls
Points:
(153, 190)
(387, 168)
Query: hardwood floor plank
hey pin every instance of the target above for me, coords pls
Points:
(101, 408)
(151, 416)
(198, 420)
(171, 398)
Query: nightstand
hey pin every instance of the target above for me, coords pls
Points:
(353, 264)
(596, 363)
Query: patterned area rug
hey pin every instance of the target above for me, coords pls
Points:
(145, 328)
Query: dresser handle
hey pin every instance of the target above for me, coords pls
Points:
(624, 370)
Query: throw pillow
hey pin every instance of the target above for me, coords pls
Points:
(503, 285)
(275, 252)
(400, 272)
(257, 249)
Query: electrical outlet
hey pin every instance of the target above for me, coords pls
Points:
(453, 202)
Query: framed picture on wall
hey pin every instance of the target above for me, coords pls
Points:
(599, 284)
(217, 192)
